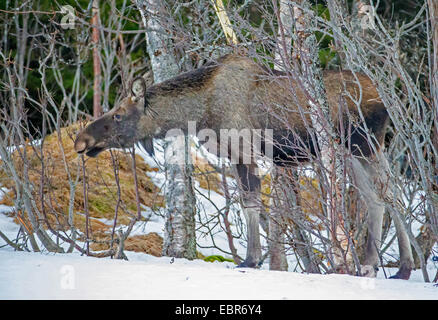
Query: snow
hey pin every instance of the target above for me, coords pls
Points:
(25, 275)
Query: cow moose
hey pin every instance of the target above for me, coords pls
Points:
(234, 92)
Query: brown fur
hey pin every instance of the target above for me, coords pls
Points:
(235, 92)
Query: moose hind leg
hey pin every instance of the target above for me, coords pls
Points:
(250, 192)
(373, 181)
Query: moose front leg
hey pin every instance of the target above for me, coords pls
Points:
(249, 185)
(404, 245)
(364, 175)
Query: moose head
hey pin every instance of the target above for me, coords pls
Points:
(129, 122)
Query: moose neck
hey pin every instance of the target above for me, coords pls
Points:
(174, 110)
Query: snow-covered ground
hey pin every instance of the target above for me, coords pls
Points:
(25, 275)
(70, 276)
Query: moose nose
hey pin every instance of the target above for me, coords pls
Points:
(83, 142)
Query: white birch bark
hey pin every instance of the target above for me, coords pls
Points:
(179, 236)
(284, 36)
(158, 41)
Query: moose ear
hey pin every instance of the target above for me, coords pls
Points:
(138, 87)
(148, 145)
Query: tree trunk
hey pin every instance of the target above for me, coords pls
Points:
(97, 90)
(163, 62)
(284, 36)
(180, 238)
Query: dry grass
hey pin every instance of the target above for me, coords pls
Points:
(207, 176)
(53, 199)
(150, 243)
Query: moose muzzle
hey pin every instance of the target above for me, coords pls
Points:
(86, 143)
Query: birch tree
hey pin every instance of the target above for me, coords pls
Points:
(180, 239)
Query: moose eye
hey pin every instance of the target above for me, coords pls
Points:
(117, 117)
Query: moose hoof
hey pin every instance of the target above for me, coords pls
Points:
(403, 273)
(248, 264)
(368, 271)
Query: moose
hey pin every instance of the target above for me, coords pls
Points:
(235, 92)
